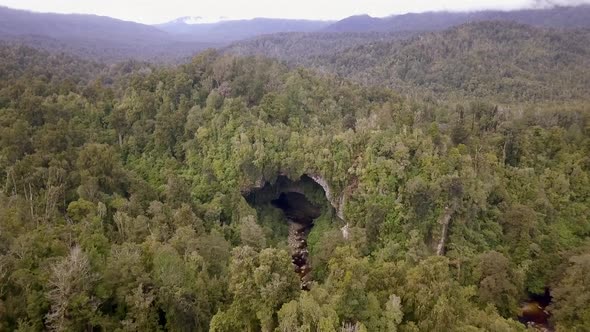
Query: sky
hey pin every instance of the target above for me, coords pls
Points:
(159, 11)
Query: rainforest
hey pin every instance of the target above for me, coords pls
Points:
(341, 181)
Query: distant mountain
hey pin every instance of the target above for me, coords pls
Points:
(238, 29)
(20, 22)
(98, 37)
(358, 23)
(107, 39)
(557, 17)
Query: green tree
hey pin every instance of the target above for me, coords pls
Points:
(498, 283)
(260, 283)
(571, 295)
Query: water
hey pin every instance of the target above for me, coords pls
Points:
(300, 213)
(534, 312)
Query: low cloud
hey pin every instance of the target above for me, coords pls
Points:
(555, 3)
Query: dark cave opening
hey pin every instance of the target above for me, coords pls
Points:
(301, 202)
(297, 207)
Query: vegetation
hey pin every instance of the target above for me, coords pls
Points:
(122, 191)
(500, 61)
(111, 40)
(96, 37)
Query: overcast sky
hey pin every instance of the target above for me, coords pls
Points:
(158, 11)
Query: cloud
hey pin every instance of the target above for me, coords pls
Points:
(159, 11)
(554, 3)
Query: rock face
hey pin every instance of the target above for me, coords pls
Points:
(337, 202)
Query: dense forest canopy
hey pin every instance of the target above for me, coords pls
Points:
(148, 197)
(497, 60)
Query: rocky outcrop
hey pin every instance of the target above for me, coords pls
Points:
(329, 193)
(299, 253)
(339, 201)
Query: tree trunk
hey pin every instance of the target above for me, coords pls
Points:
(445, 220)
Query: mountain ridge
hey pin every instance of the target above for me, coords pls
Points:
(111, 40)
(231, 30)
(519, 59)
(100, 37)
(559, 17)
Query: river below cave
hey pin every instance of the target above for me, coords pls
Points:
(299, 252)
(300, 214)
(534, 312)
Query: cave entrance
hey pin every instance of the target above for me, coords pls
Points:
(297, 208)
(301, 202)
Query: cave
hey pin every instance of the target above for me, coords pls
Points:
(297, 208)
(300, 202)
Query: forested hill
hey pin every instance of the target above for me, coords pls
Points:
(556, 17)
(21, 22)
(125, 199)
(501, 60)
(227, 31)
(19, 62)
(97, 37)
(112, 40)
(306, 48)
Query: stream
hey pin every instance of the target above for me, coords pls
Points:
(300, 213)
(534, 312)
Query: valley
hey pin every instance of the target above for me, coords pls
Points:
(423, 171)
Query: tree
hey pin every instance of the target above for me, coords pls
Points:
(392, 315)
(72, 304)
(260, 284)
(141, 311)
(571, 295)
(347, 282)
(182, 291)
(433, 299)
(310, 312)
(519, 223)
(251, 234)
(100, 172)
(498, 283)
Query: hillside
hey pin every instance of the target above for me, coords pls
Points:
(101, 38)
(239, 29)
(502, 60)
(20, 22)
(110, 40)
(307, 48)
(557, 17)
